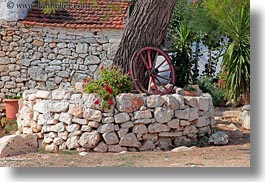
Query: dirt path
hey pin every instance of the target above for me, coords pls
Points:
(235, 154)
(222, 156)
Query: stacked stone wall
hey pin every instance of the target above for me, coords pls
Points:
(51, 57)
(67, 119)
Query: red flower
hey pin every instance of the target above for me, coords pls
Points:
(96, 102)
(11, 123)
(110, 102)
(109, 89)
(129, 72)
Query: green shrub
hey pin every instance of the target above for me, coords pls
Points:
(111, 83)
(208, 86)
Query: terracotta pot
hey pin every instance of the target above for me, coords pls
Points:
(11, 108)
(190, 93)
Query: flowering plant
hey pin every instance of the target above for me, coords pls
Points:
(111, 83)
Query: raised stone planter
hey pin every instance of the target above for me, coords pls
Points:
(66, 119)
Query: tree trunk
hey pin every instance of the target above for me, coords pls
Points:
(147, 26)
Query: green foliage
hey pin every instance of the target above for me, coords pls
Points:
(68, 152)
(233, 17)
(9, 125)
(208, 86)
(189, 88)
(182, 58)
(111, 83)
(14, 96)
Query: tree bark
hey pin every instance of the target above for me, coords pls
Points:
(147, 26)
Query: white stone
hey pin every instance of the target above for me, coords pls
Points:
(41, 94)
(108, 120)
(101, 147)
(111, 138)
(93, 124)
(42, 106)
(219, 138)
(59, 127)
(127, 124)
(163, 115)
(80, 121)
(92, 115)
(59, 106)
(72, 128)
(245, 118)
(181, 149)
(11, 145)
(171, 102)
(58, 141)
(81, 48)
(170, 134)
(89, 139)
(61, 94)
(202, 121)
(142, 114)
(184, 123)
(106, 128)
(130, 140)
(121, 118)
(147, 146)
(143, 121)
(72, 142)
(193, 114)
(190, 131)
(182, 114)
(157, 127)
(154, 101)
(65, 117)
(174, 123)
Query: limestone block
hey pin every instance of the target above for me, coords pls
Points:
(17, 144)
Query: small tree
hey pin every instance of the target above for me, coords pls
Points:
(233, 17)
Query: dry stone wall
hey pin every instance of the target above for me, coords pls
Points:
(50, 58)
(67, 119)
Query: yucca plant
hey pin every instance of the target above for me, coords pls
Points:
(233, 17)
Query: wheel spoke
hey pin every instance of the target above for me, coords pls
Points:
(149, 58)
(161, 84)
(156, 89)
(161, 64)
(144, 61)
(154, 63)
(163, 77)
(164, 70)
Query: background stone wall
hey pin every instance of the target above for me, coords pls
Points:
(49, 58)
(66, 119)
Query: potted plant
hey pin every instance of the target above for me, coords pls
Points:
(189, 91)
(11, 106)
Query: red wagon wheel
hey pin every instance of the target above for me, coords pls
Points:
(152, 71)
